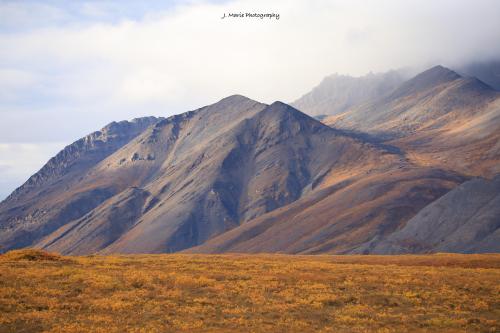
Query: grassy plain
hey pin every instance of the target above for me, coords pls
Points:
(41, 292)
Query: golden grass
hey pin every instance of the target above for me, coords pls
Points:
(248, 293)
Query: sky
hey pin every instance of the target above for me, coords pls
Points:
(67, 68)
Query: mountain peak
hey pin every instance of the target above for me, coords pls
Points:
(428, 79)
(279, 107)
(285, 113)
(279, 104)
(123, 126)
(233, 102)
(236, 98)
(439, 71)
(434, 76)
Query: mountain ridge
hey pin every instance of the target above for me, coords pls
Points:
(438, 117)
(115, 131)
(219, 166)
(242, 176)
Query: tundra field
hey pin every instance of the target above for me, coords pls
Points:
(43, 292)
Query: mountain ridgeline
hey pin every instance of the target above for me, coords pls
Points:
(337, 93)
(392, 169)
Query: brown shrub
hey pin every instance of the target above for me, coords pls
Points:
(32, 255)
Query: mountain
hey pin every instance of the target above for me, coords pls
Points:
(438, 118)
(408, 171)
(160, 148)
(417, 104)
(446, 128)
(186, 179)
(337, 93)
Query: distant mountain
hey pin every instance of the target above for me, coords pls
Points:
(415, 103)
(337, 93)
(438, 118)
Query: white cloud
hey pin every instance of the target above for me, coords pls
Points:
(14, 80)
(190, 54)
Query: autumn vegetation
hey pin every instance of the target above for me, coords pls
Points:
(44, 292)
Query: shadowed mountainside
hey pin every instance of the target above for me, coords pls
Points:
(465, 219)
(341, 217)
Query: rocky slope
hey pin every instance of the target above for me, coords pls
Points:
(466, 219)
(342, 216)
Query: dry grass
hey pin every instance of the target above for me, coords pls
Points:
(248, 293)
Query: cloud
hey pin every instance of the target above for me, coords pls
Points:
(167, 60)
(25, 15)
(190, 54)
(13, 81)
(18, 161)
(75, 66)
